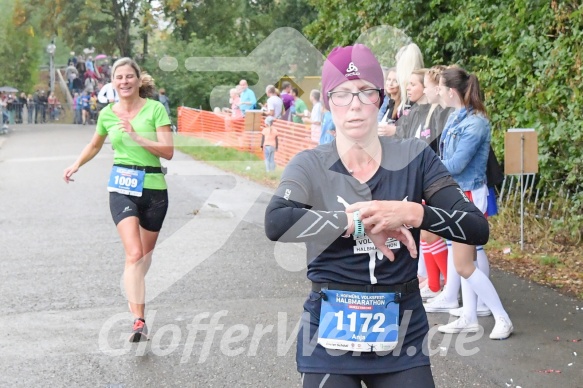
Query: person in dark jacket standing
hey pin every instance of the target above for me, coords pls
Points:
(37, 106)
(20, 104)
(30, 109)
(43, 102)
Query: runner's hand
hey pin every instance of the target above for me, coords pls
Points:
(68, 173)
(126, 126)
(387, 129)
(401, 234)
(382, 215)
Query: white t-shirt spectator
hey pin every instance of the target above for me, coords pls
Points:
(316, 119)
(275, 104)
(107, 94)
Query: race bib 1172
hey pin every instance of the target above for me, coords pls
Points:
(359, 321)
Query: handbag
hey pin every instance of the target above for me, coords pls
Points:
(494, 173)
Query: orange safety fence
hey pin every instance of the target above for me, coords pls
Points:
(225, 131)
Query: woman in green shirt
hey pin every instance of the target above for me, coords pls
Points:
(139, 129)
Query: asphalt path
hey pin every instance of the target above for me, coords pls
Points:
(223, 301)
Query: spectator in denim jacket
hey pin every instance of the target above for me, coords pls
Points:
(464, 145)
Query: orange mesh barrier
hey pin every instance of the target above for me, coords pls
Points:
(220, 128)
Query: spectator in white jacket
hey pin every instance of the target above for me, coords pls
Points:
(107, 94)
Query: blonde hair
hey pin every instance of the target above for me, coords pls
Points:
(409, 58)
(420, 73)
(434, 73)
(398, 99)
(148, 87)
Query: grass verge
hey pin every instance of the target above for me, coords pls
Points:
(551, 256)
(552, 259)
(229, 159)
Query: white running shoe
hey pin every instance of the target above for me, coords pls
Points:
(459, 296)
(440, 304)
(426, 293)
(482, 311)
(502, 329)
(460, 325)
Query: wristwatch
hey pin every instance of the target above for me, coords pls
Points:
(358, 226)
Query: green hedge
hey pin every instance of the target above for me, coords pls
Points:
(527, 55)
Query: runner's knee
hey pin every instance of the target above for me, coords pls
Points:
(134, 255)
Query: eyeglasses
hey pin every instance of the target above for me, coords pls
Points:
(343, 98)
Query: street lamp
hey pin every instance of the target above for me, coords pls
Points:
(51, 50)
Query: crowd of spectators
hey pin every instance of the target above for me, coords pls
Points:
(89, 83)
(90, 86)
(36, 108)
(284, 105)
(84, 79)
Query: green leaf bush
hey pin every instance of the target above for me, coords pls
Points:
(527, 55)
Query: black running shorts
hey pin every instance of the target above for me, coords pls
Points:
(150, 208)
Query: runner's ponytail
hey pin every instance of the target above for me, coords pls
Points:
(148, 88)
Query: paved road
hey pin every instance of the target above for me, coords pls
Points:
(222, 300)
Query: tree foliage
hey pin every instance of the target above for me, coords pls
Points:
(185, 87)
(19, 49)
(250, 32)
(219, 18)
(239, 24)
(526, 53)
(103, 24)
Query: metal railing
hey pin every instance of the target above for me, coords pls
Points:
(551, 202)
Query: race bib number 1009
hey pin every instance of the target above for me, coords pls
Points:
(126, 181)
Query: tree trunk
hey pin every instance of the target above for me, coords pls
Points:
(125, 44)
(124, 11)
(145, 50)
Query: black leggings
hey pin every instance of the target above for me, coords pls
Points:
(420, 377)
